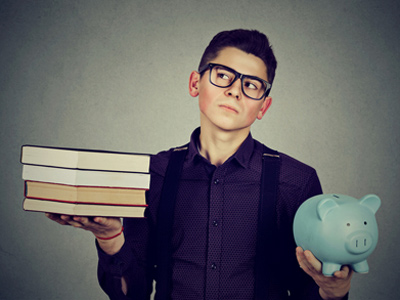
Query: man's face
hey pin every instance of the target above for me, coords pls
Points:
(228, 108)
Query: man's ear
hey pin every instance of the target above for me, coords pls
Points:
(267, 103)
(194, 81)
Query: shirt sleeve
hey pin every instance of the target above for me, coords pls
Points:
(109, 272)
(302, 286)
(129, 262)
(132, 261)
(301, 186)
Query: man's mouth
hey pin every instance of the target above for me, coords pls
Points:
(228, 108)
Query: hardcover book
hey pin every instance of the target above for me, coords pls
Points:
(83, 209)
(85, 159)
(84, 194)
(86, 177)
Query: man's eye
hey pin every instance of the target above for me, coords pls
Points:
(251, 85)
(223, 76)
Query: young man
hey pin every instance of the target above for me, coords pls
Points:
(215, 220)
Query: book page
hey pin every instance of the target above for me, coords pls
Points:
(49, 157)
(113, 161)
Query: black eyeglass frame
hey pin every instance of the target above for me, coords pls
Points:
(238, 75)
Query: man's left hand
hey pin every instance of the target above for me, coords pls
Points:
(330, 288)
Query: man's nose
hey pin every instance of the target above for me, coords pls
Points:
(235, 89)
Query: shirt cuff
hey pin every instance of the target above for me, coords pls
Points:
(115, 264)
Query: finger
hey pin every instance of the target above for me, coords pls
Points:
(89, 223)
(56, 218)
(302, 260)
(299, 253)
(100, 220)
(309, 263)
(313, 262)
(83, 220)
(70, 220)
(108, 222)
(300, 256)
(51, 216)
(344, 273)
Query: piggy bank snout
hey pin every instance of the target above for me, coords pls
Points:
(359, 242)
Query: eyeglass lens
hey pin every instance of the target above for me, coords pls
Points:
(224, 77)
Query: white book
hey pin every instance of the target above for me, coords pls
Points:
(83, 209)
(86, 177)
(85, 159)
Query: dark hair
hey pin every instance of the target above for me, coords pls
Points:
(249, 41)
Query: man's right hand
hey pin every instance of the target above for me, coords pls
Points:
(103, 228)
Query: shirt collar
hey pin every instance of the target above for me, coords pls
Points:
(242, 155)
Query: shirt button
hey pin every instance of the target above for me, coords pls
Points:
(213, 266)
(216, 181)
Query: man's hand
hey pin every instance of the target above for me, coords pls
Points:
(335, 287)
(101, 227)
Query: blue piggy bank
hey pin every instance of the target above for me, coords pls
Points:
(338, 230)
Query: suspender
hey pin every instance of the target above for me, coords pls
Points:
(266, 228)
(266, 221)
(165, 217)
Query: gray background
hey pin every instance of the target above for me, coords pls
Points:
(114, 75)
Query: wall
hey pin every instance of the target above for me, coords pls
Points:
(114, 75)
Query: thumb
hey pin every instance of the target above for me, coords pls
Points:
(343, 273)
(107, 222)
(100, 220)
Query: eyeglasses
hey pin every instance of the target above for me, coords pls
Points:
(223, 77)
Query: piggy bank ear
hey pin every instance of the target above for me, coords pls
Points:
(371, 201)
(325, 206)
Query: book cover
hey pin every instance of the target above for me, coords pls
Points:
(83, 209)
(84, 194)
(85, 159)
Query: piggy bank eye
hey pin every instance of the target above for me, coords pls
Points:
(365, 222)
(348, 224)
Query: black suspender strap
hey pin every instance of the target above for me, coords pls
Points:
(165, 216)
(266, 232)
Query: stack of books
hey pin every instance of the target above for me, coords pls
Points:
(85, 182)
